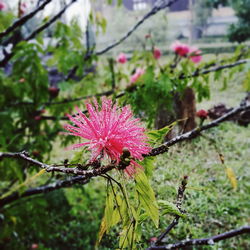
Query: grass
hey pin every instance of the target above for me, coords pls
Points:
(210, 201)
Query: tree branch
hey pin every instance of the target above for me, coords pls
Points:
(44, 189)
(196, 132)
(47, 24)
(122, 93)
(23, 19)
(103, 169)
(162, 5)
(36, 32)
(180, 197)
(214, 69)
(204, 241)
(88, 174)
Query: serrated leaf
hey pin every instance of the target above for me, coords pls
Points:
(147, 197)
(170, 208)
(231, 176)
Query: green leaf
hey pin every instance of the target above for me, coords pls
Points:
(78, 157)
(170, 208)
(147, 197)
(107, 220)
(157, 136)
(148, 165)
(246, 81)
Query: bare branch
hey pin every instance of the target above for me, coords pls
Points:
(152, 12)
(36, 32)
(122, 93)
(52, 20)
(204, 241)
(180, 197)
(23, 19)
(44, 189)
(196, 132)
(214, 69)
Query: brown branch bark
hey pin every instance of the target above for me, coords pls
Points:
(204, 241)
(214, 69)
(180, 197)
(195, 132)
(44, 189)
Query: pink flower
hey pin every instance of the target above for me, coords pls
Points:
(195, 55)
(122, 58)
(202, 113)
(3, 6)
(139, 72)
(157, 53)
(108, 130)
(180, 49)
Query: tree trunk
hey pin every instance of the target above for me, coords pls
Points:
(184, 109)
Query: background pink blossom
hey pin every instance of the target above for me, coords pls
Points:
(122, 58)
(139, 72)
(3, 6)
(157, 53)
(195, 55)
(180, 49)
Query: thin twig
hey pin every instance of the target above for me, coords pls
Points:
(51, 21)
(122, 93)
(104, 169)
(196, 132)
(204, 241)
(44, 189)
(152, 12)
(214, 69)
(23, 19)
(36, 32)
(180, 197)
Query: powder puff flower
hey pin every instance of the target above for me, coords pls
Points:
(3, 6)
(157, 53)
(195, 55)
(122, 58)
(180, 49)
(107, 131)
(138, 73)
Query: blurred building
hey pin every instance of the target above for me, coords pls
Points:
(143, 4)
